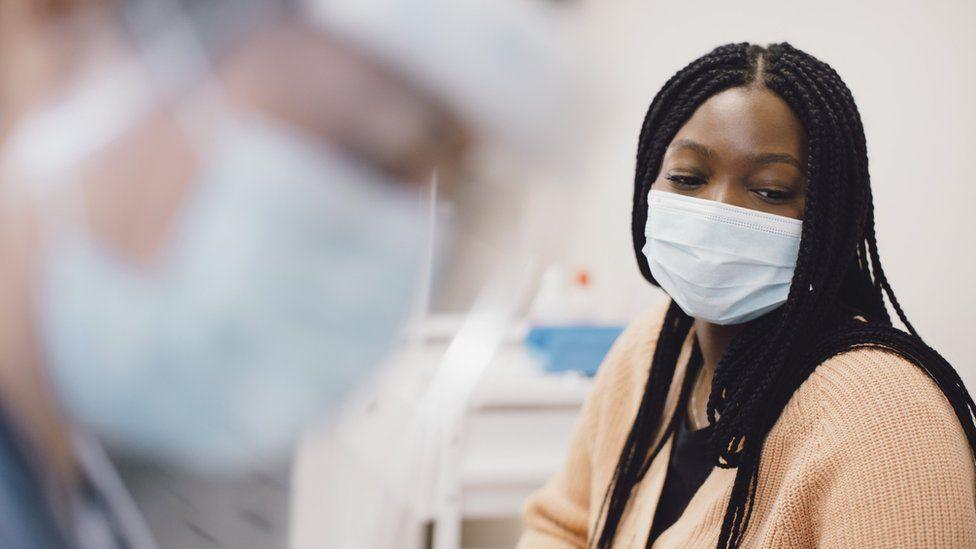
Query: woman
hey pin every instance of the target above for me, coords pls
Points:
(772, 404)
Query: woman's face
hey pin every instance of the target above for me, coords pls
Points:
(743, 146)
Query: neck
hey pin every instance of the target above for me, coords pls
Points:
(713, 340)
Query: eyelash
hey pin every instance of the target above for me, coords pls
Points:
(773, 196)
(682, 181)
(776, 196)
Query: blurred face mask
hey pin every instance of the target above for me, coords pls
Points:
(285, 277)
(720, 263)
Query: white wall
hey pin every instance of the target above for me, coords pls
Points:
(912, 69)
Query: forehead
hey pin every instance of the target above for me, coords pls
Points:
(742, 121)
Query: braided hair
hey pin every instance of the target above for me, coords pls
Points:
(838, 276)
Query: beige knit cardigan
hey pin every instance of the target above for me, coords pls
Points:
(867, 453)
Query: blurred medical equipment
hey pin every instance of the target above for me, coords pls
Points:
(461, 423)
(566, 332)
(571, 348)
(462, 426)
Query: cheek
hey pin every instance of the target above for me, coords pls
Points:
(793, 208)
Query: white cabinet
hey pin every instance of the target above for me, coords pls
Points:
(405, 469)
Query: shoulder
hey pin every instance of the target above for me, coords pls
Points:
(628, 361)
(620, 380)
(562, 509)
(873, 384)
(872, 407)
(641, 333)
(887, 459)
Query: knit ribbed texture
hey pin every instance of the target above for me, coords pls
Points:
(867, 453)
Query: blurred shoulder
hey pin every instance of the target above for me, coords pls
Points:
(641, 333)
(621, 377)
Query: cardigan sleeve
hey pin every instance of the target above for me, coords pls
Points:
(557, 515)
(894, 467)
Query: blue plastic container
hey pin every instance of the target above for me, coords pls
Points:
(571, 348)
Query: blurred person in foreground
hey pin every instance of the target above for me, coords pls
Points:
(206, 240)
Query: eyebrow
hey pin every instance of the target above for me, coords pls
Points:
(771, 158)
(703, 150)
(756, 158)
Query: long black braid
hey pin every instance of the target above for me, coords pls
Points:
(838, 275)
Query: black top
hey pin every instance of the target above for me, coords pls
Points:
(688, 466)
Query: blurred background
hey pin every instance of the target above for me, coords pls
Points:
(527, 272)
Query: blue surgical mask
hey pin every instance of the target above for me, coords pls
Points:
(720, 263)
(285, 278)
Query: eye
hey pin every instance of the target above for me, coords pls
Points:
(685, 181)
(774, 196)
